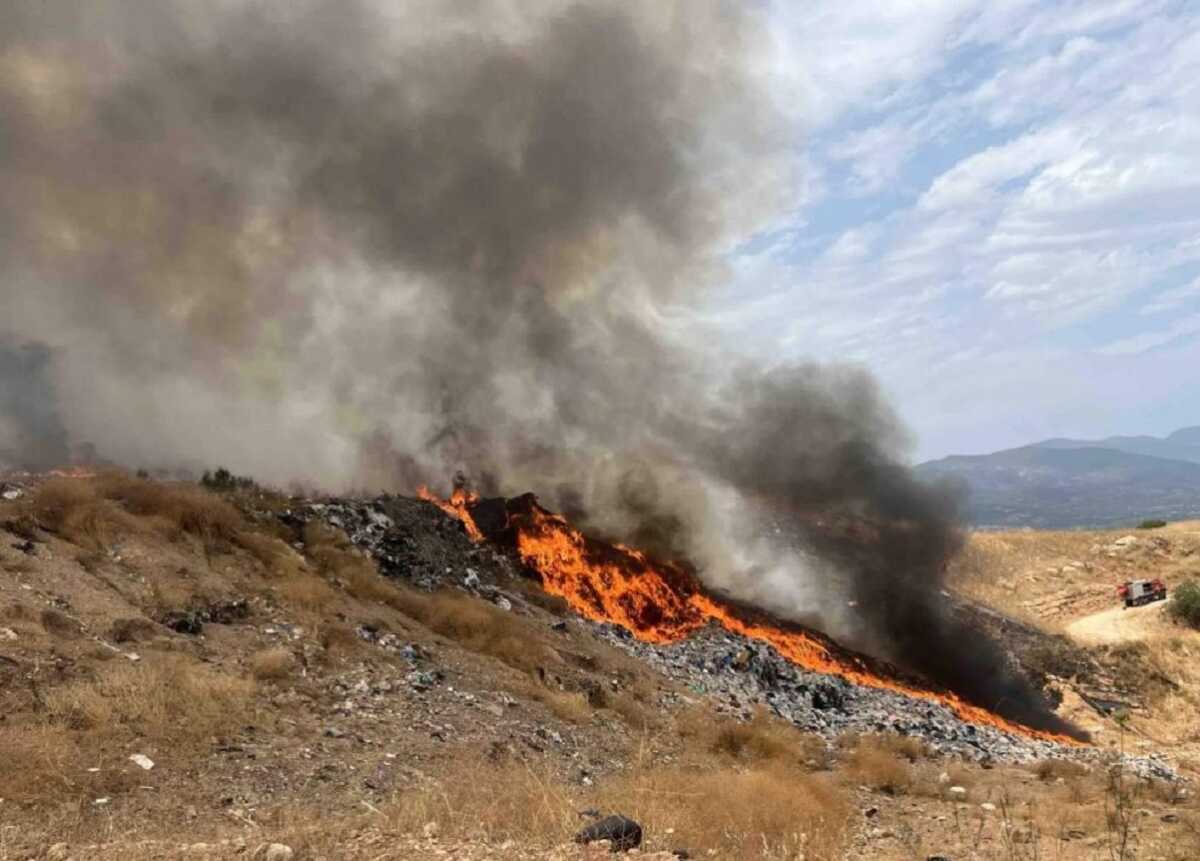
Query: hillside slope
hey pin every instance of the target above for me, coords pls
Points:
(283, 691)
(1051, 487)
(1183, 444)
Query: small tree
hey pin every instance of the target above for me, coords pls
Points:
(1185, 604)
(1152, 524)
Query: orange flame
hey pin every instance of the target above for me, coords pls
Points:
(455, 506)
(663, 603)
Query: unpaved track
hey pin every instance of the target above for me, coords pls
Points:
(1118, 625)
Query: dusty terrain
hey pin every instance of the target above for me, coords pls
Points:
(284, 692)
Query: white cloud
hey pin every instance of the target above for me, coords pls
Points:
(1144, 341)
(1041, 162)
(1169, 300)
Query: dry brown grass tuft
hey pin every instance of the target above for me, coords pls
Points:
(1053, 769)
(874, 764)
(133, 630)
(169, 699)
(277, 557)
(37, 764)
(73, 510)
(762, 739)
(335, 637)
(186, 507)
(59, 624)
(474, 625)
(306, 592)
(272, 664)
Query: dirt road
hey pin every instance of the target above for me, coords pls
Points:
(1118, 625)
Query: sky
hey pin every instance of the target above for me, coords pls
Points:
(998, 212)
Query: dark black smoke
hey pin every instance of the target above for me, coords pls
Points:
(374, 244)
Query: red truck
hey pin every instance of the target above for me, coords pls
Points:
(1137, 592)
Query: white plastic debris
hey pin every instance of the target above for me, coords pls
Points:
(141, 761)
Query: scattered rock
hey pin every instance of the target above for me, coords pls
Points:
(958, 792)
(621, 833)
(431, 830)
(141, 761)
(273, 852)
(988, 806)
(7, 634)
(58, 852)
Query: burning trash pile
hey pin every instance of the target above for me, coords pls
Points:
(737, 656)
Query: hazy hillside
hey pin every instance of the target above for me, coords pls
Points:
(1055, 485)
(1184, 444)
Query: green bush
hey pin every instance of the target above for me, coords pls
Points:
(1185, 604)
(1152, 524)
(223, 479)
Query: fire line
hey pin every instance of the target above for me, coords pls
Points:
(663, 603)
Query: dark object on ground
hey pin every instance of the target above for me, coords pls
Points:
(193, 621)
(622, 833)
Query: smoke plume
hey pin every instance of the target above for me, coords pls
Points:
(371, 245)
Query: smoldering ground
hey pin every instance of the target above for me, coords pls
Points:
(373, 245)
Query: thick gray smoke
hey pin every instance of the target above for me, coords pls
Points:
(373, 245)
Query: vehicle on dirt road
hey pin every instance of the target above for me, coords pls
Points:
(1137, 592)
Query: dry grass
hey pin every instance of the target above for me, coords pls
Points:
(170, 700)
(874, 764)
(59, 624)
(306, 592)
(187, 508)
(335, 637)
(473, 625)
(37, 764)
(766, 812)
(272, 664)
(73, 510)
(277, 557)
(1053, 769)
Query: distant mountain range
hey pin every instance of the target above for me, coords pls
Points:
(1068, 483)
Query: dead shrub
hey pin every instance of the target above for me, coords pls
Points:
(485, 629)
(134, 630)
(277, 557)
(1053, 769)
(71, 509)
(362, 581)
(38, 764)
(187, 507)
(761, 739)
(569, 706)
(169, 700)
(272, 664)
(60, 624)
(874, 765)
(306, 592)
(338, 638)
